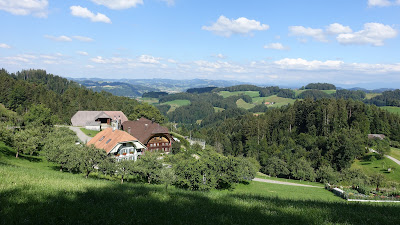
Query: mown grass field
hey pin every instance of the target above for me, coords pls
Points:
(298, 92)
(395, 153)
(149, 100)
(392, 109)
(226, 94)
(378, 167)
(176, 103)
(279, 101)
(35, 192)
(242, 104)
(90, 133)
(217, 109)
(371, 95)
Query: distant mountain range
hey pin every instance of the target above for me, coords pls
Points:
(136, 87)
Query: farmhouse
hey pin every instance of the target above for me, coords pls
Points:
(119, 144)
(153, 135)
(97, 120)
(376, 136)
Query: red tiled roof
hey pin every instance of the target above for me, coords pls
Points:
(101, 140)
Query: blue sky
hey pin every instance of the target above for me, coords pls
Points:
(286, 42)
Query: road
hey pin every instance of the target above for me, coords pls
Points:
(283, 182)
(82, 136)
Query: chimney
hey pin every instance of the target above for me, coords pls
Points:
(129, 130)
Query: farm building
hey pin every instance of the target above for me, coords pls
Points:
(119, 144)
(376, 136)
(153, 135)
(97, 120)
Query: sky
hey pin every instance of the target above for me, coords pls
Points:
(266, 42)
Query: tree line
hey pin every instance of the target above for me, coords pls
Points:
(305, 138)
(64, 98)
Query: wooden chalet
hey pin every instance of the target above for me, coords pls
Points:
(156, 137)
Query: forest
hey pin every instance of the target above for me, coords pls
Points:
(22, 90)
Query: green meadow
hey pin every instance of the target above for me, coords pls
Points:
(371, 167)
(33, 191)
(371, 95)
(392, 109)
(252, 94)
(90, 133)
(176, 103)
(395, 153)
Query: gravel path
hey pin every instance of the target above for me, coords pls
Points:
(393, 159)
(82, 136)
(283, 182)
(387, 156)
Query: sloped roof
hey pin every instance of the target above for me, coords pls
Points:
(81, 118)
(143, 129)
(117, 114)
(108, 139)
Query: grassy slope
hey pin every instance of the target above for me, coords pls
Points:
(371, 95)
(217, 109)
(395, 153)
(35, 193)
(176, 103)
(279, 101)
(90, 133)
(242, 104)
(226, 94)
(379, 166)
(391, 109)
(298, 92)
(149, 100)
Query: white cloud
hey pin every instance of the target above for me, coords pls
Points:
(226, 27)
(276, 46)
(79, 11)
(61, 38)
(218, 66)
(373, 33)
(119, 4)
(149, 59)
(25, 7)
(336, 28)
(81, 38)
(82, 53)
(303, 64)
(317, 34)
(219, 55)
(169, 2)
(2, 45)
(382, 3)
(89, 66)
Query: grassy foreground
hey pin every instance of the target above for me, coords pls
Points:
(34, 192)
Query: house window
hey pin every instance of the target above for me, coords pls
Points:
(123, 144)
(102, 138)
(108, 141)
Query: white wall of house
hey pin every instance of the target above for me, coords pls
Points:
(93, 128)
(127, 151)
